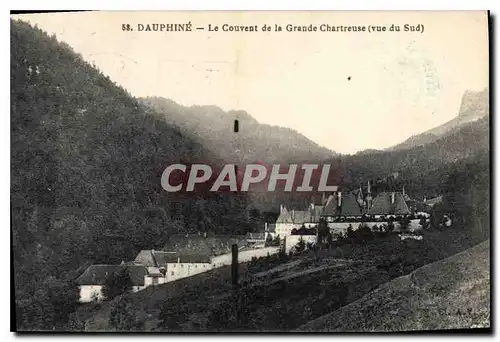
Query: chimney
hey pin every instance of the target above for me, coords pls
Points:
(403, 190)
(265, 226)
(425, 199)
(323, 199)
(179, 259)
(393, 198)
(339, 199)
(281, 208)
(205, 234)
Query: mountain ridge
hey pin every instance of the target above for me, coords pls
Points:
(254, 142)
(474, 106)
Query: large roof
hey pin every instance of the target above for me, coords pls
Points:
(301, 216)
(285, 217)
(382, 204)
(349, 205)
(145, 257)
(163, 258)
(152, 258)
(97, 274)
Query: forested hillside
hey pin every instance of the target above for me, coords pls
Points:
(422, 169)
(86, 164)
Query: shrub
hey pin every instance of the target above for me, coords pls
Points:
(116, 284)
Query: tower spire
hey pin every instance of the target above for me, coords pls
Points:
(368, 197)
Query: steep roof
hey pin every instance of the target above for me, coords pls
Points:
(145, 257)
(330, 207)
(401, 208)
(350, 205)
(433, 201)
(97, 274)
(285, 216)
(301, 216)
(162, 258)
(382, 204)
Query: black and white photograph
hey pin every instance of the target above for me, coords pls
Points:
(250, 172)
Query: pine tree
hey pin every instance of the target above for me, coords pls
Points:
(117, 283)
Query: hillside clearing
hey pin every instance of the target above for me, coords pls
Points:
(453, 293)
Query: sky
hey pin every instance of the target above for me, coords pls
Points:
(347, 91)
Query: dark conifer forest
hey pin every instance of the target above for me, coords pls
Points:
(86, 164)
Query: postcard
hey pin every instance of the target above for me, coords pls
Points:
(225, 171)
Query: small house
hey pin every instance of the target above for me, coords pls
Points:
(92, 281)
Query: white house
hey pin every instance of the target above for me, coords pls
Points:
(182, 266)
(289, 220)
(92, 281)
(165, 266)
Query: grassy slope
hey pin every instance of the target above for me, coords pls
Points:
(286, 297)
(453, 293)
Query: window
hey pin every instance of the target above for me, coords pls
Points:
(195, 266)
(172, 272)
(182, 265)
(175, 265)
